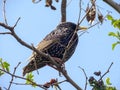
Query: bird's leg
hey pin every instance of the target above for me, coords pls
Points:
(58, 69)
(53, 66)
(59, 61)
(36, 67)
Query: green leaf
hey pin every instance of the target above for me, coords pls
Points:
(0, 59)
(30, 77)
(108, 81)
(118, 35)
(109, 17)
(6, 66)
(114, 45)
(116, 24)
(1, 73)
(0, 62)
(112, 34)
(110, 88)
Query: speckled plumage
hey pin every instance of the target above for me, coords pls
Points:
(55, 45)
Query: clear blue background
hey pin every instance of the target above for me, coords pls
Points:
(93, 53)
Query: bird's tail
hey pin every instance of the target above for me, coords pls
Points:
(33, 65)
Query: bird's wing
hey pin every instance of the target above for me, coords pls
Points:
(50, 40)
(45, 44)
(42, 46)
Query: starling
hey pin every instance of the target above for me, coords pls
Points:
(60, 43)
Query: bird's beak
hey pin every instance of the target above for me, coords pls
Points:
(82, 28)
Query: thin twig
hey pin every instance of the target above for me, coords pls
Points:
(16, 22)
(79, 12)
(4, 11)
(20, 83)
(69, 45)
(13, 76)
(35, 63)
(94, 25)
(34, 1)
(62, 81)
(98, 21)
(47, 56)
(33, 83)
(69, 2)
(5, 33)
(85, 15)
(106, 71)
(86, 78)
(83, 32)
(113, 4)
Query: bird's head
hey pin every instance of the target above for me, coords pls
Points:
(71, 26)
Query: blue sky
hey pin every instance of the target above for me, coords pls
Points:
(93, 52)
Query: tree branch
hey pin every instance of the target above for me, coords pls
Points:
(12, 32)
(69, 79)
(5, 33)
(113, 4)
(79, 11)
(106, 71)
(86, 78)
(63, 10)
(40, 53)
(4, 12)
(25, 44)
(13, 76)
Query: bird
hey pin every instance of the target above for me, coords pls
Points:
(60, 44)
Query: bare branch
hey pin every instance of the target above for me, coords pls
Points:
(69, 79)
(69, 2)
(98, 22)
(63, 10)
(86, 78)
(13, 76)
(79, 11)
(84, 16)
(20, 83)
(27, 45)
(5, 33)
(93, 25)
(106, 71)
(5, 26)
(113, 4)
(16, 22)
(69, 45)
(34, 1)
(4, 11)
(62, 81)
